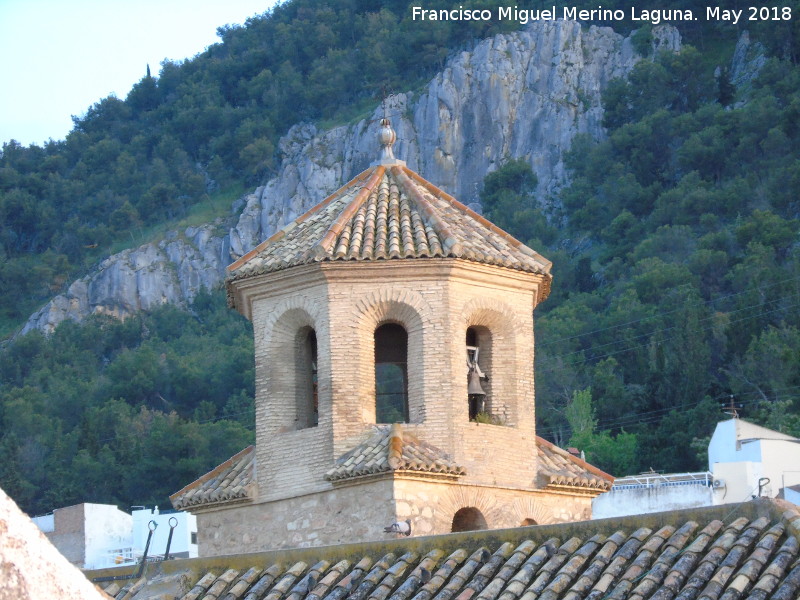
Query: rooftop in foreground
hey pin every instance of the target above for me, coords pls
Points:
(730, 552)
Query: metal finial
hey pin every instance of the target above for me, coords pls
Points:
(386, 137)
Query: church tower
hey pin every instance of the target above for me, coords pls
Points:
(394, 348)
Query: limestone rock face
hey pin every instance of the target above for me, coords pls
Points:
(748, 59)
(172, 270)
(519, 95)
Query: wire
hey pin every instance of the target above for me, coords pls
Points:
(662, 314)
(654, 416)
(709, 318)
(635, 346)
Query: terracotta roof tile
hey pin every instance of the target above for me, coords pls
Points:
(559, 467)
(390, 449)
(229, 482)
(388, 212)
(723, 553)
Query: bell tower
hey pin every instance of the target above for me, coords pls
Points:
(394, 356)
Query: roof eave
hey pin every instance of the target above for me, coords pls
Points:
(211, 474)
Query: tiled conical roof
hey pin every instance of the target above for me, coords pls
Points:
(389, 212)
(389, 449)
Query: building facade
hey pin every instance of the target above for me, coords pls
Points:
(745, 461)
(98, 536)
(394, 347)
(748, 460)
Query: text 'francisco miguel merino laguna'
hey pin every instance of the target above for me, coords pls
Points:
(652, 16)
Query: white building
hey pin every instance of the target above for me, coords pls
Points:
(654, 492)
(182, 525)
(96, 536)
(744, 457)
(744, 461)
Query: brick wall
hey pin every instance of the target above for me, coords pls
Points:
(436, 301)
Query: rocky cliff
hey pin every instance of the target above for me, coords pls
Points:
(525, 94)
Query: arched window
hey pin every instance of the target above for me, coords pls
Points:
(306, 382)
(528, 522)
(468, 519)
(391, 374)
(479, 359)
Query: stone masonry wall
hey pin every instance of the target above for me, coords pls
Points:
(358, 512)
(349, 514)
(432, 505)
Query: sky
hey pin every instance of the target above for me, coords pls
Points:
(58, 57)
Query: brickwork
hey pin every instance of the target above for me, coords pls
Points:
(435, 301)
(390, 248)
(279, 313)
(360, 300)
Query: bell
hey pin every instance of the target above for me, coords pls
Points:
(474, 384)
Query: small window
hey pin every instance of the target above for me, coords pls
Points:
(391, 374)
(468, 519)
(307, 396)
(477, 379)
(194, 538)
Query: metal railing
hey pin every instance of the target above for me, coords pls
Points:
(652, 480)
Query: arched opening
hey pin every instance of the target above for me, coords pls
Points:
(391, 374)
(528, 522)
(468, 519)
(479, 359)
(306, 395)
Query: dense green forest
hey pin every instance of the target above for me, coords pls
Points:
(675, 249)
(125, 411)
(202, 127)
(677, 265)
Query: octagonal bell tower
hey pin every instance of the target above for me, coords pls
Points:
(394, 356)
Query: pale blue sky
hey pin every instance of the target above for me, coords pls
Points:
(58, 57)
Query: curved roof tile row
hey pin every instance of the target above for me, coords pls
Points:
(230, 481)
(391, 449)
(388, 212)
(725, 553)
(388, 449)
(559, 467)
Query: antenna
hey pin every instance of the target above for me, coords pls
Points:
(731, 408)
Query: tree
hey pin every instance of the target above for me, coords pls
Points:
(616, 454)
(509, 201)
